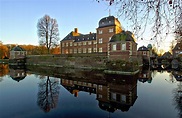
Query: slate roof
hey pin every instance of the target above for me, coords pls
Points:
(143, 48)
(17, 48)
(70, 36)
(86, 37)
(123, 36)
(81, 37)
(108, 21)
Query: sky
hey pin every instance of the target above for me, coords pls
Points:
(18, 18)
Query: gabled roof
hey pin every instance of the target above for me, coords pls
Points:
(143, 48)
(166, 54)
(109, 21)
(178, 46)
(123, 36)
(17, 48)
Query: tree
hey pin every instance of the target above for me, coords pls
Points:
(47, 30)
(160, 15)
(48, 93)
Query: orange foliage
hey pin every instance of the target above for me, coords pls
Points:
(4, 69)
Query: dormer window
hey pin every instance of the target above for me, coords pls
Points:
(109, 21)
(178, 47)
(102, 22)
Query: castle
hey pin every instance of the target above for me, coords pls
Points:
(110, 39)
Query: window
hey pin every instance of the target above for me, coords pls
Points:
(111, 30)
(66, 44)
(79, 43)
(71, 43)
(84, 43)
(89, 43)
(144, 53)
(75, 44)
(62, 44)
(100, 96)
(75, 50)
(95, 49)
(84, 50)
(100, 49)
(123, 46)
(79, 50)
(109, 38)
(71, 51)
(89, 50)
(95, 42)
(114, 47)
(100, 40)
(100, 31)
(113, 96)
(123, 98)
(100, 87)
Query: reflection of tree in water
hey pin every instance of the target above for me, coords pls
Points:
(48, 93)
(178, 98)
(4, 70)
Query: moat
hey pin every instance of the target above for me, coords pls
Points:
(77, 94)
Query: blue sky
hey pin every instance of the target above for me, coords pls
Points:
(18, 18)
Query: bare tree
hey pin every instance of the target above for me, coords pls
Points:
(48, 93)
(160, 15)
(47, 30)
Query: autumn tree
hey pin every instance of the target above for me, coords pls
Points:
(160, 17)
(3, 51)
(47, 30)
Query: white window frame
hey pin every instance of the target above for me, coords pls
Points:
(89, 50)
(84, 50)
(71, 44)
(62, 44)
(100, 49)
(75, 50)
(100, 40)
(71, 51)
(114, 47)
(100, 31)
(123, 46)
(84, 43)
(90, 42)
(75, 44)
(111, 30)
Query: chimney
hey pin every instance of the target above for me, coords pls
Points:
(90, 32)
(76, 30)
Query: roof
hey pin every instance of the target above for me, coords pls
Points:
(149, 46)
(167, 55)
(178, 46)
(109, 21)
(18, 78)
(86, 37)
(123, 36)
(17, 48)
(81, 37)
(70, 36)
(143, 48)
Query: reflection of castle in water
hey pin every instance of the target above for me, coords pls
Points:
(113, 91)
(17, 73)
(145, 75)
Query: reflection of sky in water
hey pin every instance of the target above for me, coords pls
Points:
(19, 99)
